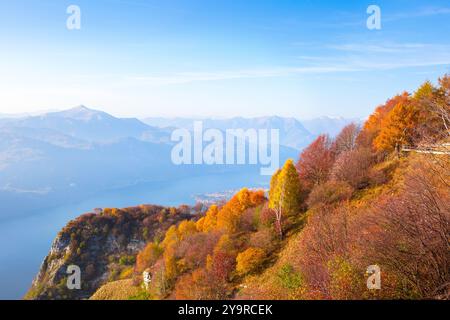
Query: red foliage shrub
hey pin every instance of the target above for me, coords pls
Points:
(353, 167)
(315, 162)
(329, 193)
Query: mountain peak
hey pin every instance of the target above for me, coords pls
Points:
(81, 108)
(83, 113)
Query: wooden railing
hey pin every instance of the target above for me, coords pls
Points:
(431, 149)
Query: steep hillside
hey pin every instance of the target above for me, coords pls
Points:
(324, 252)
(104, 245)
(400, 225)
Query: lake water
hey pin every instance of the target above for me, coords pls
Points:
(24, 242)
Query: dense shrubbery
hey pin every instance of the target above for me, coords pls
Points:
(328, 193)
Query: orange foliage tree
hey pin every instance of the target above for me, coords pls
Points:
(398, 128)
(199, 285)
(209, 221)
(148, 256)
(229, 217)
(373, 125)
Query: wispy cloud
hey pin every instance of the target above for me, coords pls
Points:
(189, 77)
(355, 65)
(434, 11)
(392, 55)
(338, 58)
(378, 48)
(423, 12)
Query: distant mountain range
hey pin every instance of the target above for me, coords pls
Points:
(293, 133)
(64, 156)
(25, 114)
(90, 125)
(329, 125)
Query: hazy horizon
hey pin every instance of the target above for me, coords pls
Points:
(189, 116)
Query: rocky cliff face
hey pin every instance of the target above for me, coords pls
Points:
(103, 246)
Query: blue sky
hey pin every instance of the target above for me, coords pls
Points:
(218, 58)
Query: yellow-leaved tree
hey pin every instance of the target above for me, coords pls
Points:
(285, 194)
(174, 235)
(250, 260)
